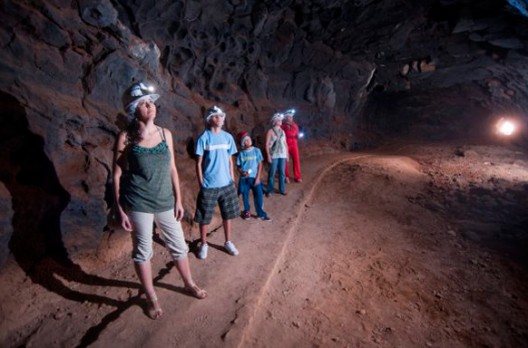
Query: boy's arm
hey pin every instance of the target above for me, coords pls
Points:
(239, 164)
(231, 168)
(199, 173)
(257, 176)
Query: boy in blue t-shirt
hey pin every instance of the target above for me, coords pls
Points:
(214, 169)
(249, 163)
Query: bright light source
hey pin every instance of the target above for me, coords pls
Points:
(505, 127)
(145, 87)
(301, 135)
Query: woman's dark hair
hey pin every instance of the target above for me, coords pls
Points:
(133, 134)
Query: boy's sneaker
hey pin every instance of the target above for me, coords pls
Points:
(202, 253)
(265, 218)
(245, 215)
(231, 249)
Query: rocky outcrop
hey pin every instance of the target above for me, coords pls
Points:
(354, 70)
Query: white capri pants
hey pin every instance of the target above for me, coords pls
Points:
(171, 232)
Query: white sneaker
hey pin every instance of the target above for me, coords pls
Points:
(202, 253)
(231, 249)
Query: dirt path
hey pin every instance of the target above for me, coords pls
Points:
(353, 257)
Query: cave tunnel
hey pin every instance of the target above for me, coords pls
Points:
(408, 228)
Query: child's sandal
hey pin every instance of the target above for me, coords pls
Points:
(154, 309)
(195, 291)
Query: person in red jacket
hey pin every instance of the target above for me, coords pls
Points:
(291, 129)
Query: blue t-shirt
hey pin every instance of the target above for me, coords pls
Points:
(216, 150)
(248, 161)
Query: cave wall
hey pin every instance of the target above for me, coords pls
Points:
(450, 70)
(355, 70)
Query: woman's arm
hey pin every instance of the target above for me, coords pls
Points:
(175, 178)
(118, 165)
(268, 145)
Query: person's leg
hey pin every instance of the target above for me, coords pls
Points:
(205, 205)
(282, 188)
(185, 271)
(227, 229)
(175, 242)
(142, 247)
(294, 153)
(203, 233)
(244, 190)
(291, 150)
(287, 169)
(141, 254)
(258, 199)
(203, 247)
(182, 265)
(144, 273)
(229, 209)
(271, 176)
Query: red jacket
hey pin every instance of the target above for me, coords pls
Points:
(292, 133)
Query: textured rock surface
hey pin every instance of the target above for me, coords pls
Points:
(6, 216)
(354, 69)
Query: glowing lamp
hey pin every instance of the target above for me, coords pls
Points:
(301, 134)
(505, 127)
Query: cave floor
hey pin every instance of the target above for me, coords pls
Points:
(408, 246)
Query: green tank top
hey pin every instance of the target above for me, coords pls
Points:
(146, 186)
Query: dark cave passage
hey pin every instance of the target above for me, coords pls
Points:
(37, 196)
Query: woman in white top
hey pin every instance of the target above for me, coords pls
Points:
(276, 153)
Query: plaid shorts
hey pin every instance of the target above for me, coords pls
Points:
(225, 196)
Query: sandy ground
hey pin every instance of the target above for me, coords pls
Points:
(415, 246)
